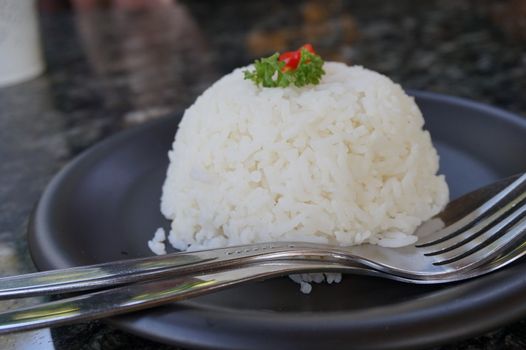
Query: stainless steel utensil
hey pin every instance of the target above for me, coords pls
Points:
(486, 239)
(468, 238)
(139, 296)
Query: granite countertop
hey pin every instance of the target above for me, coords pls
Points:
(111, 68)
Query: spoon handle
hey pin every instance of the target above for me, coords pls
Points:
(133, 297)
(149, 294)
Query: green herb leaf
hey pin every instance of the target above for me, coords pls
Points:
(310, 69)
(269, 72)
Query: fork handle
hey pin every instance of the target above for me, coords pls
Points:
(134, 270)
(144, 295)
(148, 294)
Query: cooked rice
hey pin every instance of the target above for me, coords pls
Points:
(344, 162)
(156, 244)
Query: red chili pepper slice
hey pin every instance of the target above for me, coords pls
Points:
(291, 59)
(309, 48)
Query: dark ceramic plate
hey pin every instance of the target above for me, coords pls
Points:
(104, 206)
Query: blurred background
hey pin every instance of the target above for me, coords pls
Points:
(98, 66)
(141, 59)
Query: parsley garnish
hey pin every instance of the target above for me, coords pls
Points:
(273, 72)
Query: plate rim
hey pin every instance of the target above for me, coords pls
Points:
(298, 323)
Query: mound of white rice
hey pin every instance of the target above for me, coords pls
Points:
(343, 162)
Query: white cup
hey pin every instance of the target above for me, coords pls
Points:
(20, 51)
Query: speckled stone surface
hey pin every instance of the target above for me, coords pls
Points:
(111, 68)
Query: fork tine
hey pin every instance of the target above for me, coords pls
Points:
(475, 216)
(485, 225)
(511, 231)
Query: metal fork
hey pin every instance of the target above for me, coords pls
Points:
(464, 240)
(486, 239)
(139, 296)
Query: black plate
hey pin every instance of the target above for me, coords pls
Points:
(105, 206)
